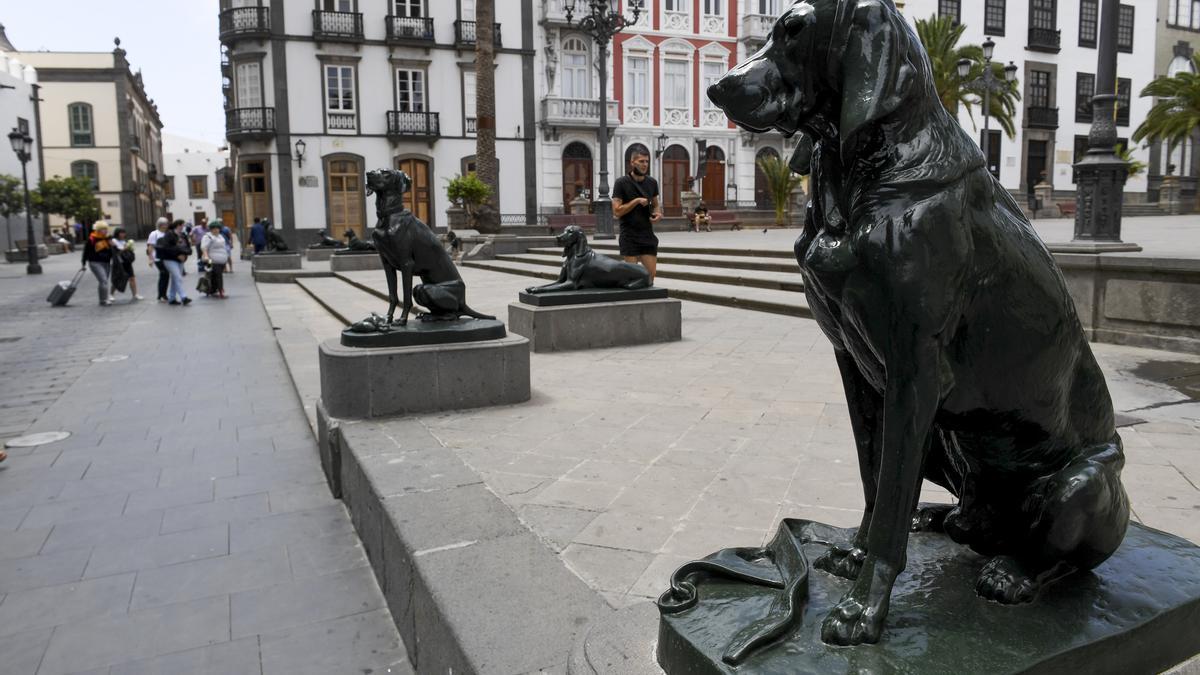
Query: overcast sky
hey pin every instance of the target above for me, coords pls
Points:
(173, 42)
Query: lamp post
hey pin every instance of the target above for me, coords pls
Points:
(22, 144)
(988, 83)
(601, 21)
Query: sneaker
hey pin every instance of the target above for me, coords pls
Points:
(109, 301)
(187, 301)
(138, 297)
(162, 299)
(173, 302)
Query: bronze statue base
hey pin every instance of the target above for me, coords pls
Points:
(1135, 613)
(590, 296)
(418, 332)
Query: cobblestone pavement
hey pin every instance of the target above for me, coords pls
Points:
(184, 527)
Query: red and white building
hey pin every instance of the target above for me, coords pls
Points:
(659, 70)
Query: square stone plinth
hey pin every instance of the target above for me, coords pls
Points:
(597, 325)
(359, 383)
(355, 262)
(277, 261)
(318, 253)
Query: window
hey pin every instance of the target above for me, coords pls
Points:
(1043, 14)
(1085, 89)
(1089, 20)
(1125, 29)
(576, 78)
(249, 85)
(410, 9)
(1081, 148)
(169, 187)
(339, 97)
(675, 86)
(1184, 14)
(88, 170)
(469, 101)
(950, 8)
(1039, 89)
(1124, 89)
(768, 7)
(467, 9)
(638, 81)
(80, 115)
(410, 90)
(197, 187)
(713, 70)
(993, 17)
(674, 5)
(338, 5)
(713, 7)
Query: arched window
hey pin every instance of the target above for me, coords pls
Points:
(1180, 64)
(80, 116)
(577, 80)
(86, 169)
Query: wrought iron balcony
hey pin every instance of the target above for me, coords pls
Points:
(464, 34)
(1044, 40)
(1041, 118)
(409, 29)
(244, 22)
(756, 28)
(249, 123)
(583, 113)
(402, 124)
(337, 26)
(472, 125)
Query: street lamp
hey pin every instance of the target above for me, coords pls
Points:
(300, 146)
(988, 83)
(601, 22)
(22, 144)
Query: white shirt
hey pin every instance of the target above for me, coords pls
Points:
(154, 236)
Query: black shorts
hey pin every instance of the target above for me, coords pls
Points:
(637, 242)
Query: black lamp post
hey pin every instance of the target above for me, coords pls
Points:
(988, 83)
(22, 144)
(602, 22)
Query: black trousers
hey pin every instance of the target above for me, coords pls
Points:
(217, 275)
(164, 278)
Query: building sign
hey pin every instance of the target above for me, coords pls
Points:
(309, 181)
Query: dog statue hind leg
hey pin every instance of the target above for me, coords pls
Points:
(445, 301)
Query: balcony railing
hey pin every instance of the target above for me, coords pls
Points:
(464, 33)
(337, 26)
(471, 125)
(577, 112)
(246, 123)
(244, 22)
(341, 121)
(409, 29)
(1044, 40)
(401, 123)
(756, 28)
(1041, 118)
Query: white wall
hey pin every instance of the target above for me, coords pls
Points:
(17, 102)
(194, 158)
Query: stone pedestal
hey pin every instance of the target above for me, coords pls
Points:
(552, 328)
(355, 262)
(319, 253)
(277, 261)
(359, 383)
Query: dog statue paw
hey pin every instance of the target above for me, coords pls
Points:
(371, 324)
(860, 615)
(842, 562)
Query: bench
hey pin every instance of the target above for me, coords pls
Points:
(719, 218)
(1066, 209)
(560, 221)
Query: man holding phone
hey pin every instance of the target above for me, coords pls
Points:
(635, 203)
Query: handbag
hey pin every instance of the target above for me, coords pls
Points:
(204, 285)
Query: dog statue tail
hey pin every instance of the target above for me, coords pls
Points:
(467, 311)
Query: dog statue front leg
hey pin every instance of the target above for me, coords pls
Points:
(406, 277)
(390, 273)
(910, 401)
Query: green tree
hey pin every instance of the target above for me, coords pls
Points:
(470, 192)
(12, 196)
(940, 36)
(71, 198)
(780, 184)
(1135, 166)
(1175, 116)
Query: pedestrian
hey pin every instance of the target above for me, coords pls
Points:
(701, 218)
(635, 202)
(123, 257)
(160, 228)
(228, 235)
(97, 256)
(197, 235)
(258, 236)
(215, 253)
(173, 250)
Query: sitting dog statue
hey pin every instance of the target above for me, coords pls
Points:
(583, 268)
(407, 245)
(326, 241)
(275, 241)
(961, 354)
(353, 243)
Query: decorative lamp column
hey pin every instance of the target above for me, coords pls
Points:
(22, 145)
(987, 82)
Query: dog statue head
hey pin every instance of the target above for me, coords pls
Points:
(388, 186)
(830, 68)
(573, 240)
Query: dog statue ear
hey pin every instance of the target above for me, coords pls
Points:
(876, 72)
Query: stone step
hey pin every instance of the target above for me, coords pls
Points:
(689, 257)
(744, 297)
(691, 270)
(347, 302)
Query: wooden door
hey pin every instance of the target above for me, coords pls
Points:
(762, 192)
(418, 200)
(991, 141)
(576, 173)
(674, 179)
(345, 198)
(1035, 164)
(713, 187)
(256, 199)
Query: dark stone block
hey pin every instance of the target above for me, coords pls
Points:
(1135, 613)
(418, 333)
(590, 296)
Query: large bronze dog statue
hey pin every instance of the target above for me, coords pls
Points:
(584, 268)
(407, 245)
(960, 351)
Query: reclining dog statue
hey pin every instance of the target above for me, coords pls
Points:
(408, 246)
(584, 268)
(961, 354)
(353, 243)
(326, 241)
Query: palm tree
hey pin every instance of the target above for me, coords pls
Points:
(780, 184)
(1175, 117)
(940, 36)
(487, 219)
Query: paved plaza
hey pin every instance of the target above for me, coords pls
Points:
(185, 525)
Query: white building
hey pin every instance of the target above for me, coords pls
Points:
(191, 184)
(18, 101)
(1053, 44)
(319, 94)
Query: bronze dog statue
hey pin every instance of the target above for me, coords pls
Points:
(407, 245)
(962, 357)
(326, 241)
(583, 268)
(353, 243)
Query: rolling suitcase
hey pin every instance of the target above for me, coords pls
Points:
(61, 294)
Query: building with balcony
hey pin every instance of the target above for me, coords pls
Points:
(1053, 44)
(98, 122)
(192, 183)
(319, 93)
(19, 92)
(1178, 39)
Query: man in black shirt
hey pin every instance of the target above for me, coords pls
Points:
(635, 202)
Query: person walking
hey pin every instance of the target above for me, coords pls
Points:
(258, 236)
(215, 253)
(123, 257)
(163, 277)
(97, 256)
(199, 230)
(173, 249)
(227, 234)
(635, 202)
